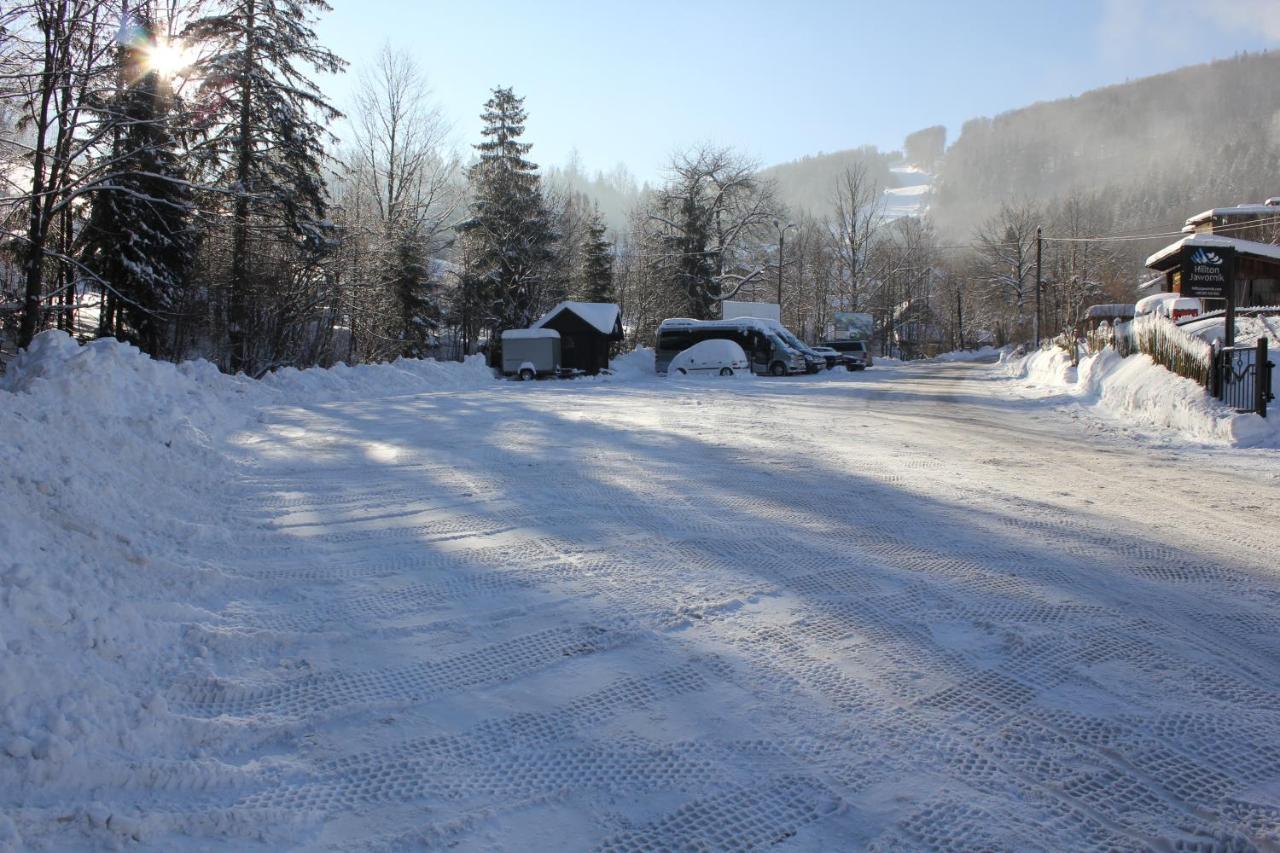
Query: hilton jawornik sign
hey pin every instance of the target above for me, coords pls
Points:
(1209, 272)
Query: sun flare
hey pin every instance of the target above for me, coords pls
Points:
(168, 58)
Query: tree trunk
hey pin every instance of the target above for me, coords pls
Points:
(33, 263)
(238, 319)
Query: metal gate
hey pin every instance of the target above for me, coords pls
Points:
(1243, 378)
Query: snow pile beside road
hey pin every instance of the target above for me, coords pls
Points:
(1145, 394)
(110, 479)
(117, 511)
(635, 365)
(987, 353)
(403, 376)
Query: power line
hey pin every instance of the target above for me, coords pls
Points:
(1101, 238)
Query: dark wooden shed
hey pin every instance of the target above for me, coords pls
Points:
(587, 331)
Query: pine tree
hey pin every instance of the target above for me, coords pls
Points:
(270, 119)
(415, 296)
(139, 238)
(596, 276)
(510, 228)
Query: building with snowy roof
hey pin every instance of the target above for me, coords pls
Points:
(587, 332)
(1251, 230)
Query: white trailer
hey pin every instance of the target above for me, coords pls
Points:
(530, 353)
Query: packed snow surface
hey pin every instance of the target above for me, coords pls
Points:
(408, 606)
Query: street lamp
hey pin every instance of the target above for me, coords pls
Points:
(782, 233)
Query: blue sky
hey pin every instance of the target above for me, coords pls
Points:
(632, 82)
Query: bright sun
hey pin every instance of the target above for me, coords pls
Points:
(168, 58)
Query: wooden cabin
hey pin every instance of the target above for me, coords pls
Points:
(1257, 273)
(588, 330)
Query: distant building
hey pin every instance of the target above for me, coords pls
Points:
(1253, 230)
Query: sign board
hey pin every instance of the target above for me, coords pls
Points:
(853, 327)
(1208, 272)
(762, 310)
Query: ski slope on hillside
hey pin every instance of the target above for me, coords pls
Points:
(911, 194)
(900, 609)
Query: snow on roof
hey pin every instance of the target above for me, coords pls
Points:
(763, 323)
(1151, 282)
(602, 316)
(1244, 247)
(1238, 210)
(529, 334)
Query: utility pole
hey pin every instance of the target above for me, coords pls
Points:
(1039, 240)
(782, 234)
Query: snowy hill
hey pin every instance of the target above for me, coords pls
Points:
(911, 194)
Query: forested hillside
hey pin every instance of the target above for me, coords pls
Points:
(1153, 150)
(807, 184)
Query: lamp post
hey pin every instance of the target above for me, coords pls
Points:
(782, 234)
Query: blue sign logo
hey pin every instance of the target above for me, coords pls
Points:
(1200, 256)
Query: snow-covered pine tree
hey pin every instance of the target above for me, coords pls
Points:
(415, 295)
(139, 238)
(510, 228)
(595, 282)
(268, 122)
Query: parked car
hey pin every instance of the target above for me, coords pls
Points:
(715, 356)
(1169, 305)
(530, 353)
(833, 357)
(855, 353)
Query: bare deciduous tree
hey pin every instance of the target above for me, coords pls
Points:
(706, 218)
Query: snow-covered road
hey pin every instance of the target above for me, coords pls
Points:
(894, 610)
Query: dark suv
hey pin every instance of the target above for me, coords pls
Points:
(855, 354)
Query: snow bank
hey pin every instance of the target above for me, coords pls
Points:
(1143, 393)
(403, 376)
(987, 353)
(110, 478)
(633, 366)
(117, 507)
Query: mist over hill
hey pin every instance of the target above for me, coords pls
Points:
(1154, 150)
(807, 185)
(1148, 152)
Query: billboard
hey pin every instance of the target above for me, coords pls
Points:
(763, 310)
(853, 327)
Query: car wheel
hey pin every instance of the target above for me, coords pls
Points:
(778, 369)
(850, 368)
(861, 367)
(526, 375)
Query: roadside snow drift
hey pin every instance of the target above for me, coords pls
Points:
(1143, 394)
(116, 497)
